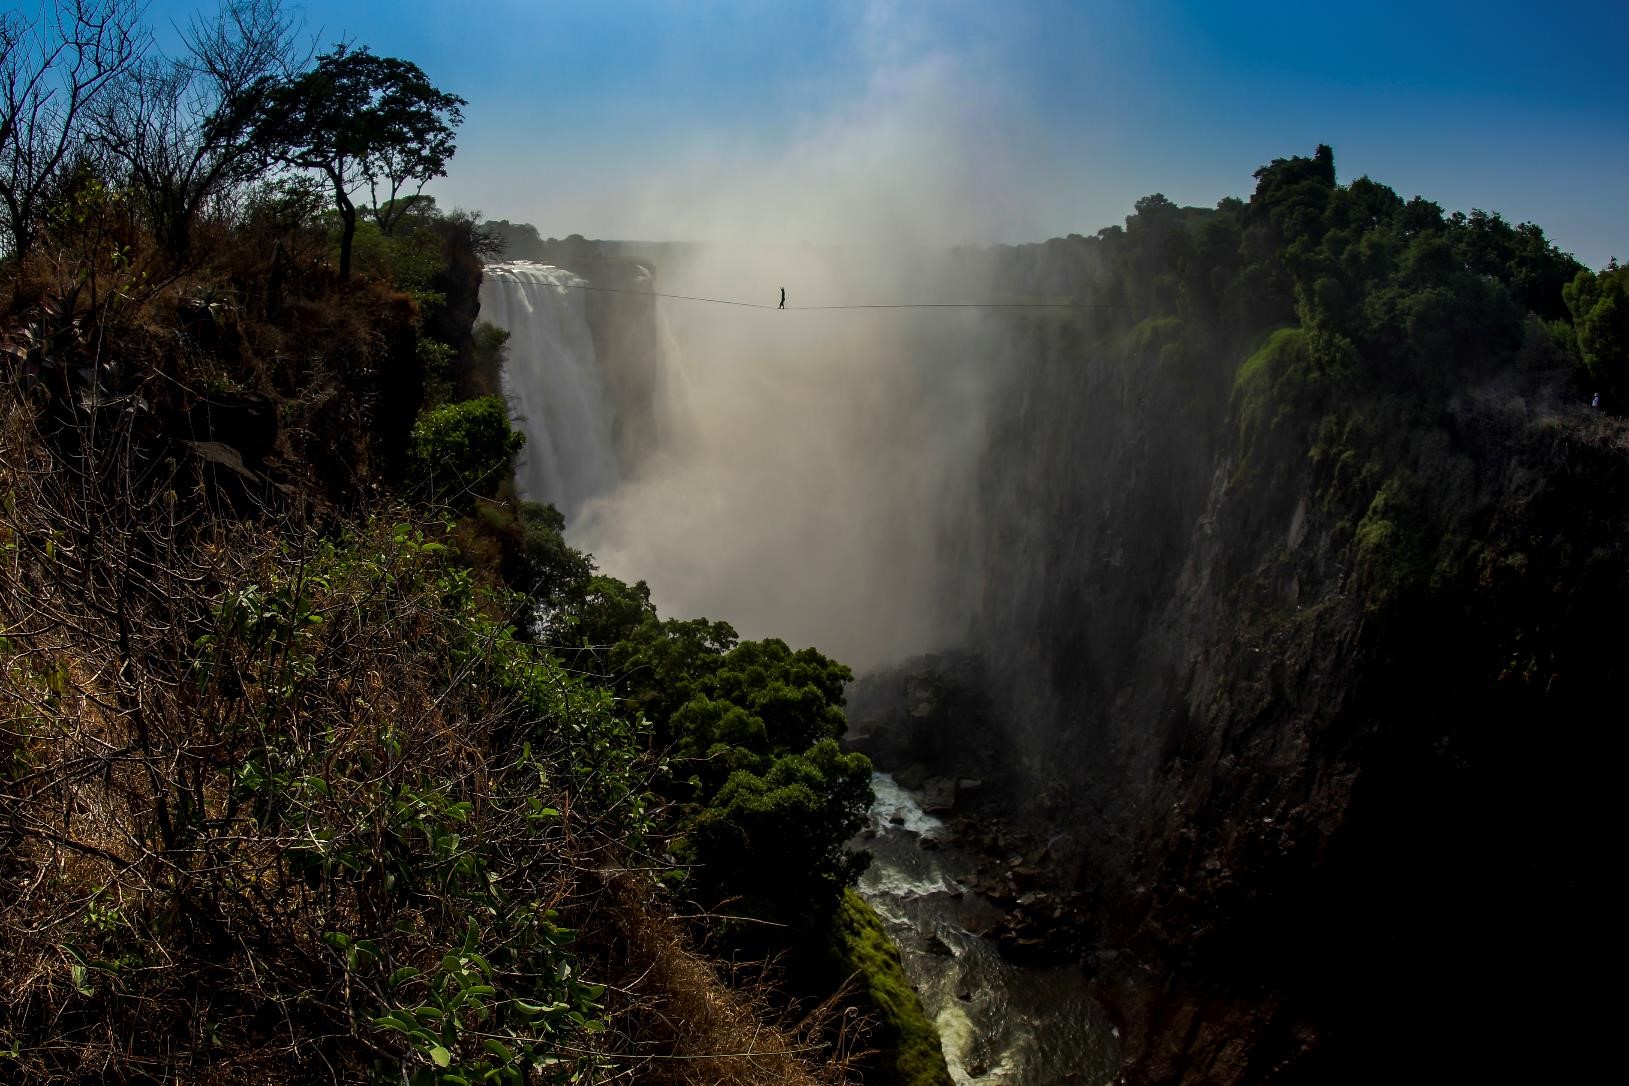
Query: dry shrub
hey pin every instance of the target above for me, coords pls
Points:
(680, 1024)
(276, 793)
(264, 794)
(252, 779)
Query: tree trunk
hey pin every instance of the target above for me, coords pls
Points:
(347, 212)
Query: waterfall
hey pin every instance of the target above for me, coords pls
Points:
(553, 383)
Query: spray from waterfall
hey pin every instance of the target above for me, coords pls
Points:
(820, 491)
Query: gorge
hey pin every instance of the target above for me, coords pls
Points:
(1269, 580)
(829, 637)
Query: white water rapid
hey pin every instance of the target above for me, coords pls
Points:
(1000, 1023)
(553, 383)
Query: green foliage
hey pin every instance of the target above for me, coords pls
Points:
(765, 800)
(410, 258)
(861, 946)
(491, 346)
(1599, 305)
(1258, 386)
(1333, 327)
(436, 359)
(359, 808)
(1394, 545)
(555, 574)
(461, 451)
(776, 841)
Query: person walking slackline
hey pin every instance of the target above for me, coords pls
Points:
(783, 297)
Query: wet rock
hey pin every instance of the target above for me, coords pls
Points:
(912, 776)
(938, 794)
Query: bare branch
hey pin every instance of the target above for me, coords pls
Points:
(51, 73)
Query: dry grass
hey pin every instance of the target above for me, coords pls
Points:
(681, 1024)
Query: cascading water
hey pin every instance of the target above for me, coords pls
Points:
(553, 383)
(999, 1023)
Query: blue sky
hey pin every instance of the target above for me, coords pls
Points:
(1011, 121)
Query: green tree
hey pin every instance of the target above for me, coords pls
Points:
(764, 800)
(1600, 312)
(361, 121)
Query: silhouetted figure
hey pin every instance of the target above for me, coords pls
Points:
(783, 298)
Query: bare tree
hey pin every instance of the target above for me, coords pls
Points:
(179, 127)
(52, 70)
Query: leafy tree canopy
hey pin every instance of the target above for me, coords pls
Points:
(362, 120)
(764, 799)
(1600, 311)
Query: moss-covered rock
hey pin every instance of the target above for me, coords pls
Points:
(908, 1042)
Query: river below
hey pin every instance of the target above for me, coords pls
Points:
(1001, 1023)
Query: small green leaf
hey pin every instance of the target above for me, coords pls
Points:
(440, 1056)
(396, 1020)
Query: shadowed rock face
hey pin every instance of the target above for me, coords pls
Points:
(1325, 832)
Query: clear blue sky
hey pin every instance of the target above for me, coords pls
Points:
(580, 114)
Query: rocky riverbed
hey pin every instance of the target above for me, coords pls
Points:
(992, 951)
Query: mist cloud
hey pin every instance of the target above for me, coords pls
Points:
(818, 497)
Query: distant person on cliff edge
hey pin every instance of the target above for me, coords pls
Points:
(783, 298)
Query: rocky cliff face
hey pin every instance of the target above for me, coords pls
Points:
(1334, 775)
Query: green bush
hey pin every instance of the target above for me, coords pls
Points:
(462, 451)
(1600, 311)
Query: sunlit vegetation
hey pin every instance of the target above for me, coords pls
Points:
(909, 1040)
